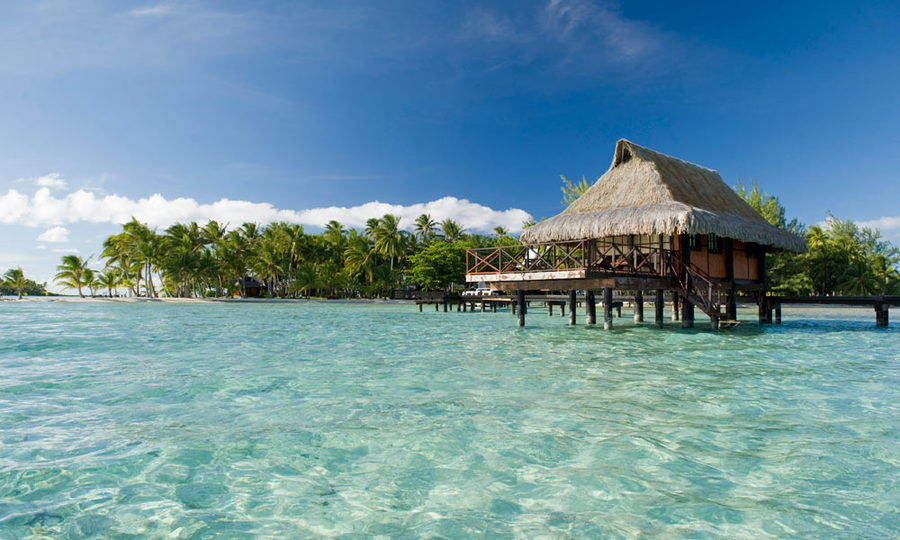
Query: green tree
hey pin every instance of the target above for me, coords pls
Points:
(73, 273)
(438, 265)
(572, 191)
(453, 231)
(425, 228)
(14, 278)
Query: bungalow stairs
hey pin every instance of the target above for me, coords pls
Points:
(697, 287)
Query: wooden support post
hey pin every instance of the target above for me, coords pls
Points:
(420, 307)
(765, 312)
(520, 301)
(882, 317)
(777, 313)
(549, 309)
(482, 306)
(572, 302)
(493, 307)
(562, 309)
(607, 307)
(639, 307)
(730, 306)
(659, 307)
(619, 311)
(590, 308)
(676, 310)
(687, 313)
(445, 307)
(436, 306)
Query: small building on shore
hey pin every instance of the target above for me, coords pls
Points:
(651, 222)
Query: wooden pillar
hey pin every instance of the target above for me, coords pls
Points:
(639, 307)
(520, 301)
(765, 312)
(714, 322)
(676, 310)
(572, 301)
(549, 309)
(420, 307)
(882, 318)
(659, 307)
(619, 312)
(687, 314)
(436, 306)
(562, 309)
(493, 307)
(777, 313)
(730, 306)
(607, 307)
(445, 307)
(590, 308)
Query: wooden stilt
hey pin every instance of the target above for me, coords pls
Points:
(882, 317)
(777, 313)
(714, 322)
(572, 301)
(676, 309)
(619, 311)
(590, 308)
(607, 307)
(730, 307)
(562, 309)
(436, 306)
(763, 309)
(520, 300)
(420, 308)
(687, 313)
(493, 307)
(549, 309)
(659, 307)
(639, 307)
(482, 306)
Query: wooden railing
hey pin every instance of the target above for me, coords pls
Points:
(601, 256)
(695, 283)
(535, 258)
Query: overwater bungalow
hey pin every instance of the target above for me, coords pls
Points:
(652, 222)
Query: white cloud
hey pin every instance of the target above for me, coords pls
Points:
(56, 235)
(151, 11)
(888, 225)
(64, 250)
(52, 180)
(45, 209)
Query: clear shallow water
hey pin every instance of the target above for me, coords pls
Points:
(312, 420)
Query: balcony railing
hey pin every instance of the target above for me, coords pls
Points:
(599, 256)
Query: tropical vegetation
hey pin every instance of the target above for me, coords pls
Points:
(14, 283)
(843, 258)
(282, 259)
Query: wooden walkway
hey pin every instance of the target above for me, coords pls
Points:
(769, 306)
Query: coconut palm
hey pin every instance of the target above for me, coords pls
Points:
(109, 278)
(453, 231)
(72, 273)
(15, 278)
(425, 228)
(388, 239)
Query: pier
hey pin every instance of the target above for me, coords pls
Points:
(557, 304)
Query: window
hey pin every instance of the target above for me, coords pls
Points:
(694, 242)
(714, 243)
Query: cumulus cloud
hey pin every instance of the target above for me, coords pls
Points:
(54, 235)
(888, 225)
(44, 209)
(52, 180)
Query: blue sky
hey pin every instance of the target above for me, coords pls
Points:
(464, 109)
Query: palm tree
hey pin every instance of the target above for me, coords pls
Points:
(109, 278)
(388, 240)
(72, 273)
(90, 279)
(453, 231)
(425, 227)
(15, 278)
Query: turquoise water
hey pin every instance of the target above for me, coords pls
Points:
(315, 420)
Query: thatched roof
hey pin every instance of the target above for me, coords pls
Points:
(645, 192)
